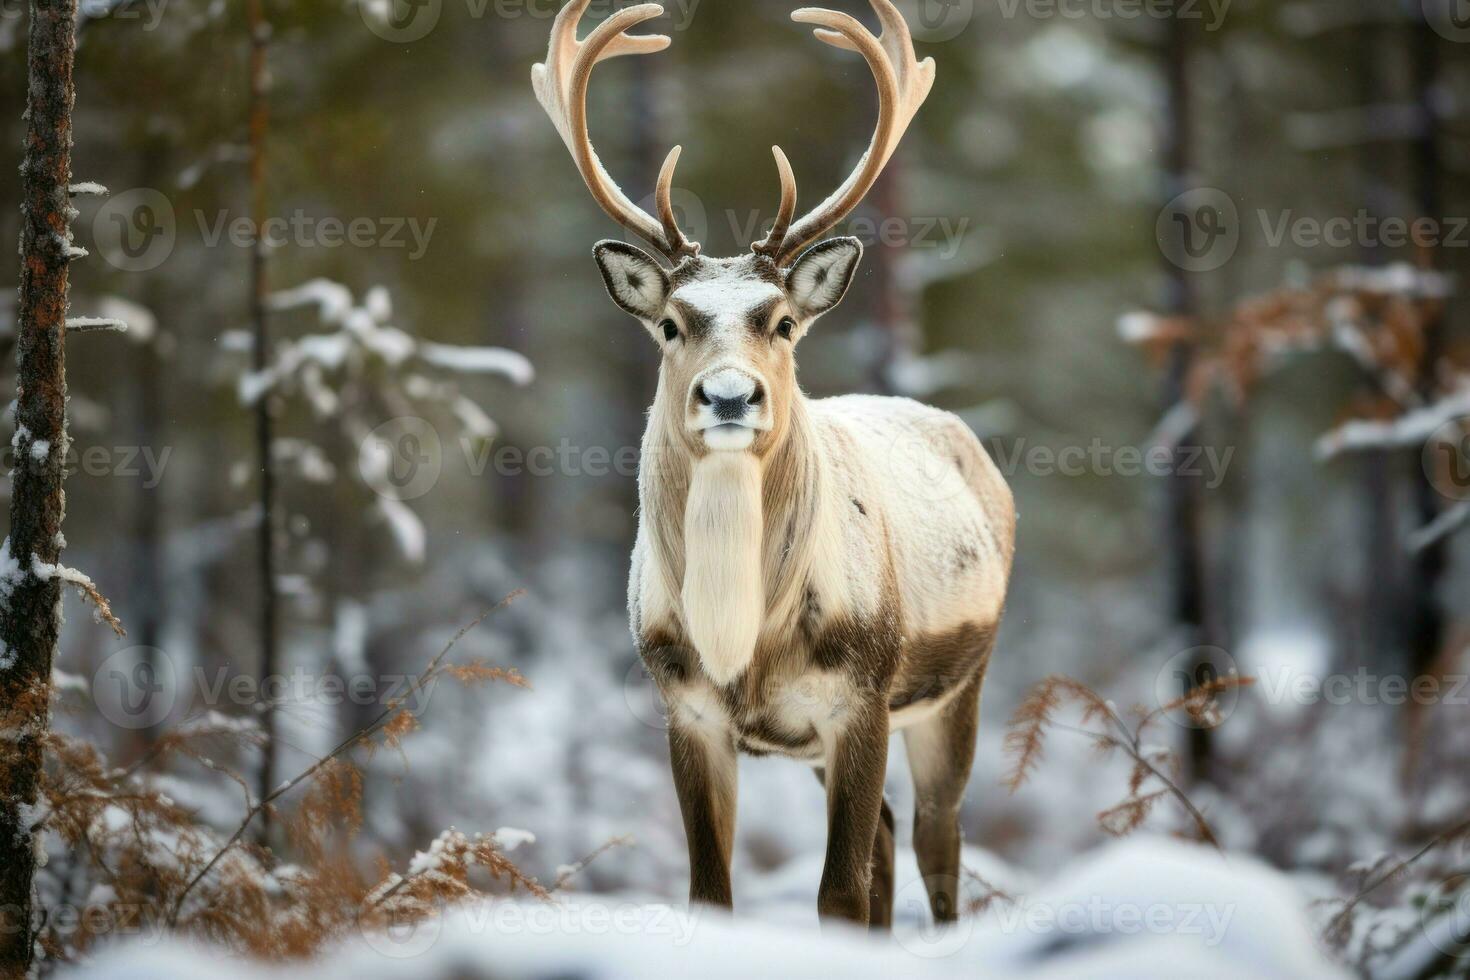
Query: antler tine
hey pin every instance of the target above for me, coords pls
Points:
(903, 84)
(771, 246)
(561, 84)
(664, 198)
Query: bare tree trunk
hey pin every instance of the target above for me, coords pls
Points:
(259, 291)
(1183, 529)
(1426, 618)
(1423, 609)
(150, 609)
(1380, 585)
(30, 607)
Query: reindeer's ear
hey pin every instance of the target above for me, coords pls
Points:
(819, 279)
(634, 279)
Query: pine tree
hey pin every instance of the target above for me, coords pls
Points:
(30, 587)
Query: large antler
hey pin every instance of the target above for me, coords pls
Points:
(903, 85)
(561, 87)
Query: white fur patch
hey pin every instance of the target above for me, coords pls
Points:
(724, 591)
(729, 438)
(698, 708)
(726, 299)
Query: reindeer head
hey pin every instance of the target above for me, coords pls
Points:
(728, 327)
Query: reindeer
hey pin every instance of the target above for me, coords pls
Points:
(809, 575)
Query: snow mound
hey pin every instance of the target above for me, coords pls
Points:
(1143, 909)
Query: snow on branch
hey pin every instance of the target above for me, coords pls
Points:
(1440, 528)
(1379, 317)
(93, 324)
(1411, 429)
(365, 331)
(406, 527)
(360, 372)
(102, 609)
(479, 360)
(13, 574)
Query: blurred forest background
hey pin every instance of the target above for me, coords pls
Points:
(1025, 269)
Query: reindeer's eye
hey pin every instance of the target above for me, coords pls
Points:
(671, 330)
(785, 327)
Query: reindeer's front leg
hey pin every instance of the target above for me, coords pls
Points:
(704, 776)
(856, 761)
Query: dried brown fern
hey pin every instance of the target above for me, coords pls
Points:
(1110, 733)
(141, 857)
(365, 736)
(1036, 713)
(990, 895)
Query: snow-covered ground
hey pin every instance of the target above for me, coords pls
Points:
(1147, 908)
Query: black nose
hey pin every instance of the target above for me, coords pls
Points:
(729, 409)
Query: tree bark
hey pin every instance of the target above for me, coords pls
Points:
(30, 606)
(1183, 529)
(1426, 617)
(1425, 611)
(264, 437)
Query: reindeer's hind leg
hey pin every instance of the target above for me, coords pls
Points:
(880, 890)
(940, 750)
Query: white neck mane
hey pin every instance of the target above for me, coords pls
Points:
(736, 542)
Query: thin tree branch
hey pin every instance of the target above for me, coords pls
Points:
(572, 870)
(1394, 871)
(361, 735)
